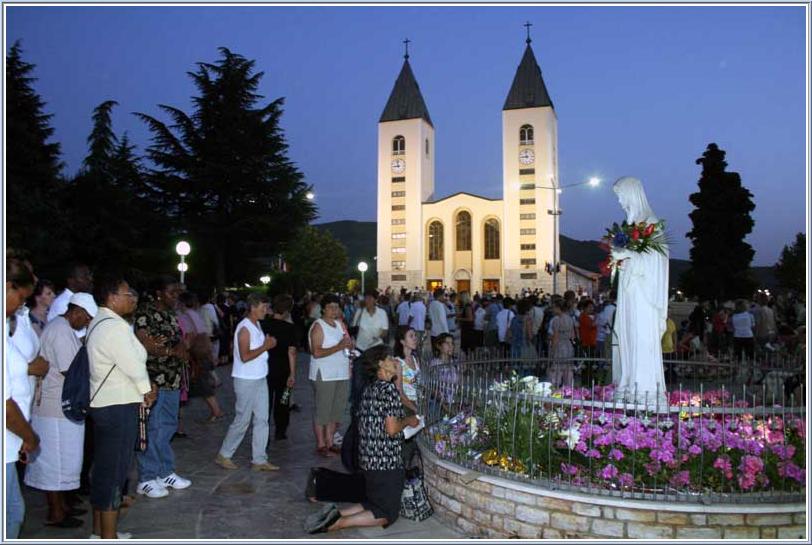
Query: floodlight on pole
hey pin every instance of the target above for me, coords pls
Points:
(183, 249)
(265, 279)
(362, 266)
(310, 195)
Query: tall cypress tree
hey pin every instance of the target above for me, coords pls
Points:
(33, 169)
(225, 172)
(720, 257)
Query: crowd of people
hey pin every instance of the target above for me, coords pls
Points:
(150, 350)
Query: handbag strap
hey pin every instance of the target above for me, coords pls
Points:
(87, 339)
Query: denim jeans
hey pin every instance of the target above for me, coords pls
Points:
(15, 506)
(158, 461)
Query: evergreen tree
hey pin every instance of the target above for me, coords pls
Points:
(720, 257)
(317, 260)
(115, 220)
(791, 267)
(34, 219)
(225, 173)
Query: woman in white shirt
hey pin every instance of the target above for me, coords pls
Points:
(330, 373)
(250, 370)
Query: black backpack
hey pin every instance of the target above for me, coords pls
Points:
(76, 388)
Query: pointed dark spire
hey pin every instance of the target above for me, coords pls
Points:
(528, 89)
(405, 100)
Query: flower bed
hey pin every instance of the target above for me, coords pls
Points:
(704, 445)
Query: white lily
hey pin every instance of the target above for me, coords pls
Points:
(572, 435)
(543, 389)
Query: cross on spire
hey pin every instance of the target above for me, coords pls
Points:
(527, 25)
(406, 42)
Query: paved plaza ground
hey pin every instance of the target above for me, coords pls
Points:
(239, 504)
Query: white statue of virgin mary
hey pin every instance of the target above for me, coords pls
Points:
(642, 308)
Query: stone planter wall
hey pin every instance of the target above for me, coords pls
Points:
(491, 507)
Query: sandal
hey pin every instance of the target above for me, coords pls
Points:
(325, 452)
(335, 449)
(215, 418)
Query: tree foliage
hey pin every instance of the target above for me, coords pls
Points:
(33, 168)
(791, 267)
(720, 257)
(317, 260)
(224, 172)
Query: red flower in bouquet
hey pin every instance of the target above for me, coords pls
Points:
(635, 234)
(649, 230)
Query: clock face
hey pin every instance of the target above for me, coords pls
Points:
(398, 166)
(526, 156)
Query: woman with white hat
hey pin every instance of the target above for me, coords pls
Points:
(56, 466)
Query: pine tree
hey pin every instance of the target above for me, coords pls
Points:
(791, 267)
(225, 173)
(720, 257)
(34, 218)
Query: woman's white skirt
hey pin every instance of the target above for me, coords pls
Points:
(57, 463)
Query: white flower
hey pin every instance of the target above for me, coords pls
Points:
(572, 436)
(472, 426)
(543, 389)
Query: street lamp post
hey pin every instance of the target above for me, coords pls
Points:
(183, 249)
(362, 266)
(556, 213)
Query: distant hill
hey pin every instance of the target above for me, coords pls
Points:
(360, 238)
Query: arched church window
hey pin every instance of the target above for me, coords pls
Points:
(526, 135)
(464, 231)
(492, 239)
(398, 145)
(435, 241)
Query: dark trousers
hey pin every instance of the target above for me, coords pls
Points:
(116, 430)
(280, 413)
(744, 347)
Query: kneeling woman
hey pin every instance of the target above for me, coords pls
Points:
(380, 438)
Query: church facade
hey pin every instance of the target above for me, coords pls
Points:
(465, 241)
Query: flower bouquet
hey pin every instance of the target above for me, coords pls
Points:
(640, 237)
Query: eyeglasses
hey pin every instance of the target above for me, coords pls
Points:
(131, 293)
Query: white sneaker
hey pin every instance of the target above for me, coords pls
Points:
(152, 489)
(338, 439)
(173, 480)
(119, 535)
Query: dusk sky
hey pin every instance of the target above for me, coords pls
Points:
(638, 91)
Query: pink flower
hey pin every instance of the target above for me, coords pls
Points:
(615, 454)
(680, 479)
(569, 469)
(723, 464)
(609, 472)
(625, 479)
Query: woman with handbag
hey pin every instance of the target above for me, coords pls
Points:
(380, 437)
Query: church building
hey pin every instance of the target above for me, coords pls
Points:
(465, 241)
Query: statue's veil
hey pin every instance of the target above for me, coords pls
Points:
(632, 189)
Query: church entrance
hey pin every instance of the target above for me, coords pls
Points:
(463, 285)
(432, 285)
(490, 286)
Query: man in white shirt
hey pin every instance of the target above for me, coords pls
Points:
(372, 322)
(604, 325)
(79, 279)
(437, 315)
(503, 320)
(403, 311)
(417, 314)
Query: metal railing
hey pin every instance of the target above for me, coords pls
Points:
(726, 440)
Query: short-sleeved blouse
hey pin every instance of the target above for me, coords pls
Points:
(377, 451)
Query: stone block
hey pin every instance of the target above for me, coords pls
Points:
(483, 518)
(453, 505)
(799, 518)
(608, 512)
(741, 532)
(696, 532)
(552, 533)
(726, 520)
(498, 522)
(520, 497)
(586, 509)
(494, 533)
(498, 492)
(792, 532)
(768, 533)
(521, 529)
(532, 515)
(499, 507)
(574, 523)
(468, 528)
(479, 486)
(769, 520)
(648, 531)
(680, 519)
(608, 528)
(467, 512)
(635, 515)
(554, 504)
(699, 520)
